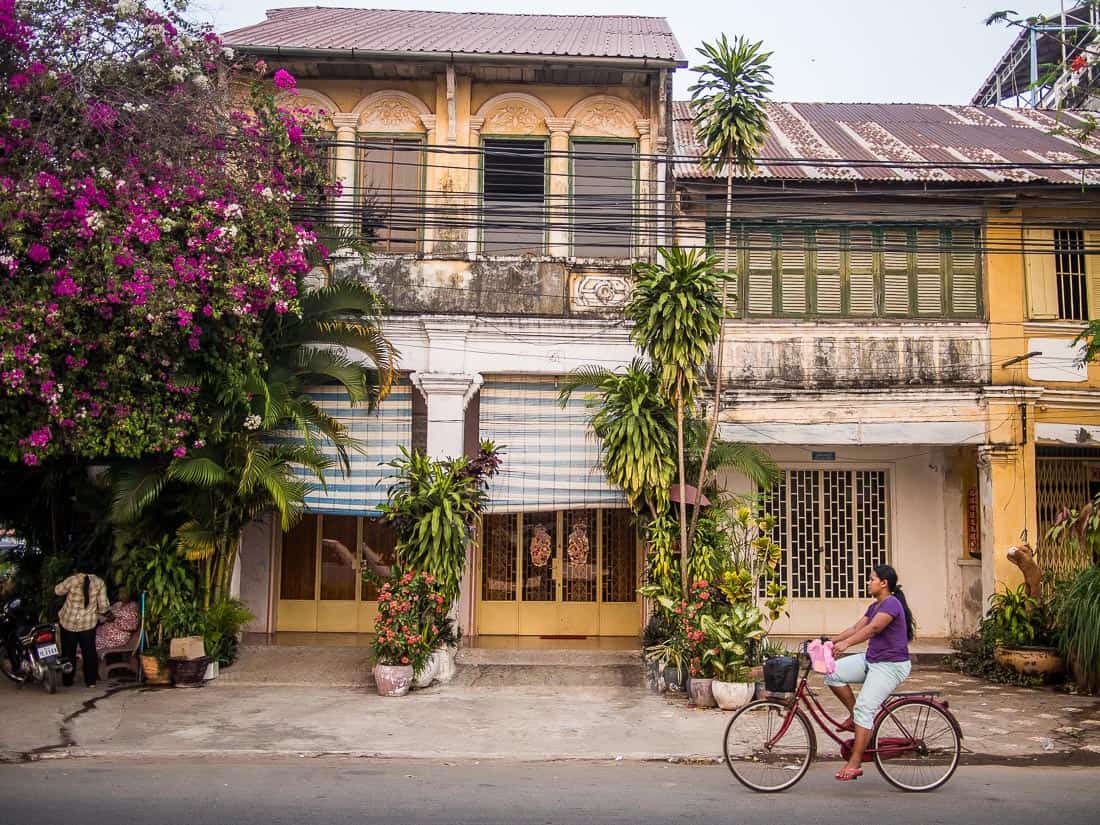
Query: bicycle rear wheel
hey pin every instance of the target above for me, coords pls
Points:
(916, 745)
(755, 759)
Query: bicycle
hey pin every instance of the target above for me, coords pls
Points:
(770, 744)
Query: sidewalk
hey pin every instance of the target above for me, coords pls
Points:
(531, 723)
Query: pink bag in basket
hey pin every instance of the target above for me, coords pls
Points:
(821, 656)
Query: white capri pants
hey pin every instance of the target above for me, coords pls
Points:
(879, 680)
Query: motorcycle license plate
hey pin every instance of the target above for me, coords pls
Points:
(46, 651)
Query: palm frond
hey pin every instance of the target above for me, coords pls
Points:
(135, 487)
(199, 469)
(195, 541)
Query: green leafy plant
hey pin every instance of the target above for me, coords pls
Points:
(730, 640)
(1078, 620)
(433, 506)
(411, 620)
(163, 574)
(1016, 619)
(222, 622)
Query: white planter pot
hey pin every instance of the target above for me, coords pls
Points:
(445, 664)
(211, 672)
(732, 695)
(427, 675)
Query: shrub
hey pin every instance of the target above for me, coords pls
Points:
(1078, 620)
(411, 623)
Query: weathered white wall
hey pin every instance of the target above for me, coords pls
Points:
(256, 559)
(917, 529)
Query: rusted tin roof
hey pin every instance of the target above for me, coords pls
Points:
(906, 142)
(382, 30)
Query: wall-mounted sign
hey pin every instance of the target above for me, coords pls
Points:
(823, 456)
(973, 540)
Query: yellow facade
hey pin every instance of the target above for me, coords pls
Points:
(1030, 392)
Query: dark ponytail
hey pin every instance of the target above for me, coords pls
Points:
(889, 575)
(87, 589)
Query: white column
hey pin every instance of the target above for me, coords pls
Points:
(346, 133)
(643, 223)
(559, 211)
(447, 395)
(473, 186)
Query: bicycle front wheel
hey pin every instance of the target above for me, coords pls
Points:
(758, 756)
(916, 746)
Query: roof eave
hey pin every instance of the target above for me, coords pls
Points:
(449, 57)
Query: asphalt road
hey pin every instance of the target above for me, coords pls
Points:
(337, 791)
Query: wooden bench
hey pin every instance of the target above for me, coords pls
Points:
(124, 657)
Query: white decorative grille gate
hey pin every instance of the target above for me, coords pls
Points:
(833, 527)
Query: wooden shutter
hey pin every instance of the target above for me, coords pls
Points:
(861, 272)
(761, 269)
(895, 272)
(964, 272)
(1042, 287)
(792, 256)
(828, 272)
(930, 271)
(1092, 270)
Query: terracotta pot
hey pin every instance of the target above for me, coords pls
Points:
(393, 680)
(153, 672)
(701, 694)
(732, 695)
(1030, 660)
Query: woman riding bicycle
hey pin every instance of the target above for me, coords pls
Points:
(888, 624)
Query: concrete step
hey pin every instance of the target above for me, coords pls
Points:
(550, 676)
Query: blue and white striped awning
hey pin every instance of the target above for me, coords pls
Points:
(380, 433)
(551, 456)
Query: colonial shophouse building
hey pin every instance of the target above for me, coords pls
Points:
(909, 282)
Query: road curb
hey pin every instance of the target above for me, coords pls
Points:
(1080, 758)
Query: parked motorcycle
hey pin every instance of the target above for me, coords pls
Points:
(30, 652)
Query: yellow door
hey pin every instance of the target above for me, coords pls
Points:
(559, 573)
(321, 586)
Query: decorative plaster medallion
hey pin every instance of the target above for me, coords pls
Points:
(512, 118)
(391, 114)
(600, 291)
(607, 118)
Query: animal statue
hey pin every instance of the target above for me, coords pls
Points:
(1023, 557)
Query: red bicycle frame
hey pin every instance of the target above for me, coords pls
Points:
(804, 697)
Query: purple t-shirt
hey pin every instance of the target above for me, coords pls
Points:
(891, 644)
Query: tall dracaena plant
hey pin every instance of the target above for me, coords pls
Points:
(633, 420)
(677, 312)
(731, 122)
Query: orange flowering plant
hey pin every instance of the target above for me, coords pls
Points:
(412, 614)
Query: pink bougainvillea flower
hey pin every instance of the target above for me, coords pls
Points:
(38, 253)
(284, 79)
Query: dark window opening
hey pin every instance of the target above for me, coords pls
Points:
(389, 193)
(1069, 266)
(603, 199)
(514, 203)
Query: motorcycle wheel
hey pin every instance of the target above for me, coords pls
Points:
(49, 680)
(8, 668)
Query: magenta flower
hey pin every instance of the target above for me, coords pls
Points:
(38, 253)
(285, 80)
(18, 82)
(40, 438)
(179, 452)
(30, 459)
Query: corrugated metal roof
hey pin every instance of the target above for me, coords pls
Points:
(382, 30)
(885, 134)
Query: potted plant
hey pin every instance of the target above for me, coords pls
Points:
(1018, 627)
(406, 630)
(730, 637)
(1078, 623)
(185, 621)
(670, 660)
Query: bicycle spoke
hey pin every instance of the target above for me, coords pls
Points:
(917, 746)
(761, 753)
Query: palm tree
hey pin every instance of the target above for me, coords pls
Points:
(635, 424)
(217, 489)
(677, 311)
(731, 122)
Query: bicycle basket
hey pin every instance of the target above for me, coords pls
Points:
(780, 674)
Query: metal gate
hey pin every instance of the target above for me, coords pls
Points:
(833, 527)
(1065, 477)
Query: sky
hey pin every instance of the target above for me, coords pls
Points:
(930, 51)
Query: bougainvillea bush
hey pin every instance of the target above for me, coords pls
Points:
(146, 228)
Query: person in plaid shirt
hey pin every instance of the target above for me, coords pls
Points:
(85, 599)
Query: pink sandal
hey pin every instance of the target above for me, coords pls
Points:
(847, 774)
